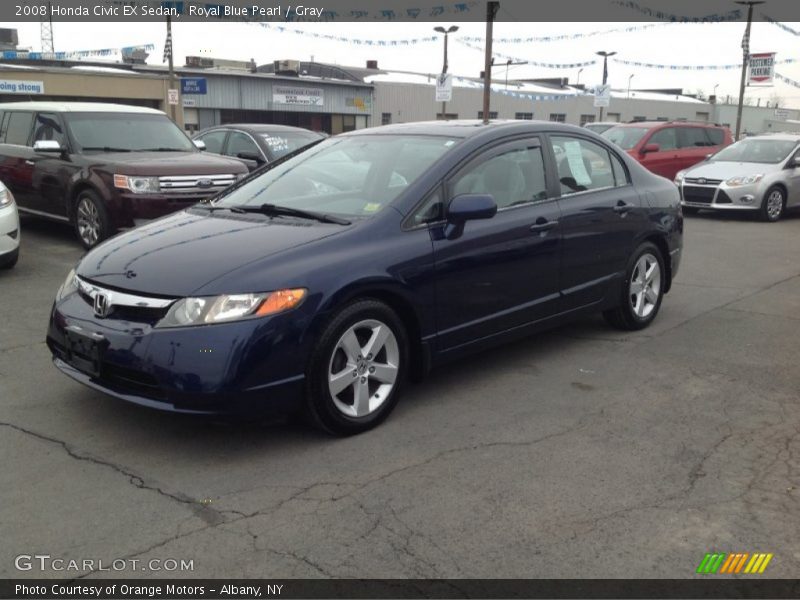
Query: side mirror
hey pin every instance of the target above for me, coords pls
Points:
(253, 156)
(468, 207)
(709, 156)
(651, 148)
(47, 146)
(200, 144)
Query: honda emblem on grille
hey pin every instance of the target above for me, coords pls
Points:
(204, 183)
(102, 306)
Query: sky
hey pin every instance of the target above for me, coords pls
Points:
(675, 44)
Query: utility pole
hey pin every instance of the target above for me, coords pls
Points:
(173, 108)
(451, 29)
(491, 11)
(745, 61)
(605, 56)
(46, 31)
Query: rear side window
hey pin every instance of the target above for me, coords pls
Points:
(18, 130)
(694, 137)
(582, 165)
(716, 135)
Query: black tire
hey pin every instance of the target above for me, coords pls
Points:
(690, 210)
(321, 408)
(624, 316)
(91, 236)
(7, 261)
(769, 214)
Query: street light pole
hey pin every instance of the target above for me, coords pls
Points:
(491, 11)
(629, 84)
(578, 80)
(745, 60)
(451, 29)
(173, 109)
(605, 56)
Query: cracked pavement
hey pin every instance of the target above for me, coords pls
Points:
(582, 450)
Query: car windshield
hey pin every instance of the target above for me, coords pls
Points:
(756, 150)
(281, 143)
(625, 137)
(126, 132)
(352, 175)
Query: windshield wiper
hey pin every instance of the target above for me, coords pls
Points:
(275, 210)
(106, 149)
(215, 207)
(161, 150)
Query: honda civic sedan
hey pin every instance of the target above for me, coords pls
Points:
(324, 282)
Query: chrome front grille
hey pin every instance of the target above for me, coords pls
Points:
(195, 183)
(121, 305)
(702, 180)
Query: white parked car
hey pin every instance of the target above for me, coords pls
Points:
(9, 229)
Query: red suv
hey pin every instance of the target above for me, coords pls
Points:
(666, 147)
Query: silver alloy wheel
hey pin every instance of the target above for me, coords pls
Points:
(774, 204)
(645, 285)
(88, 219)
(363, 368)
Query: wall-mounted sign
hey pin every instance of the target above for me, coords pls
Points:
(359, 102)
(18, 86)
(194, 85)
(189, 102)
(761, 68)
(781, 114)
(298, 96)
(172, 96)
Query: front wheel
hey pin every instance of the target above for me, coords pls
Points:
(773, 205)
(642, 290)
(92, 224)
(357, 369)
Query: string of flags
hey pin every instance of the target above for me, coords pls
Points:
(349, 40)
(785, 79)
(660, 15)
(781, 25)
(531, 62)
(565, 36)
(633, 63)
(24, 54)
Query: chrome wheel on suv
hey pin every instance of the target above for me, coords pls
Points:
(91, 219)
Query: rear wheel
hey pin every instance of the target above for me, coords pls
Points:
(92, 224)
(773, 205)
(642, 290)
(358, 368)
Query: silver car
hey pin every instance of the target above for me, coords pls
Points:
(760, 173)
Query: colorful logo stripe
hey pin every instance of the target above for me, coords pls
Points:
(734, 562)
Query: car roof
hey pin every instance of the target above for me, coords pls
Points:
(652, 124)
(258, 127)
(465, 128)
(79, 107)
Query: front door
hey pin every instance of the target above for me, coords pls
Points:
(500, 273)
(665, 161)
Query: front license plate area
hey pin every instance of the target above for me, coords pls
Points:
(85, 350)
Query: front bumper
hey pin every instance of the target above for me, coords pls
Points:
(253, 366)
(720, 196)
(9, 229)
(130, 210)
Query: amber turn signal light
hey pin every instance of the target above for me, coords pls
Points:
(280, 301)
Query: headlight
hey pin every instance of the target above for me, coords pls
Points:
(69, 286)
(221, 309)
(744, 180)
(137, 185)
(679, 177)
(6, 197)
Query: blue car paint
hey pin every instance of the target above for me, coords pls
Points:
(499, 280)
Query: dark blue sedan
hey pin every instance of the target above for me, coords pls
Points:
(324, 282)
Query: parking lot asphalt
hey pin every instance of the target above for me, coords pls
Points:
(582, 452)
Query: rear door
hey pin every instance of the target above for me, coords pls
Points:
(501, 273)
(694, 144)
(16, 165)
(601, 215)
(664, 162)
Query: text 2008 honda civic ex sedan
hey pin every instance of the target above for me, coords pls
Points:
(325, 281)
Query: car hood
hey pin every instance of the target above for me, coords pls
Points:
(170, 163)
(182, 252)
(726, 170)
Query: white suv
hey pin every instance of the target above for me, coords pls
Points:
(9, 229)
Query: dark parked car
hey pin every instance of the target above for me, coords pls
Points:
(321, 288)
(256, 144)
(103, 167)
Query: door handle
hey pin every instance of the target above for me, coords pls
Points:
(543, 224)
(622, 208)
(29, 162)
